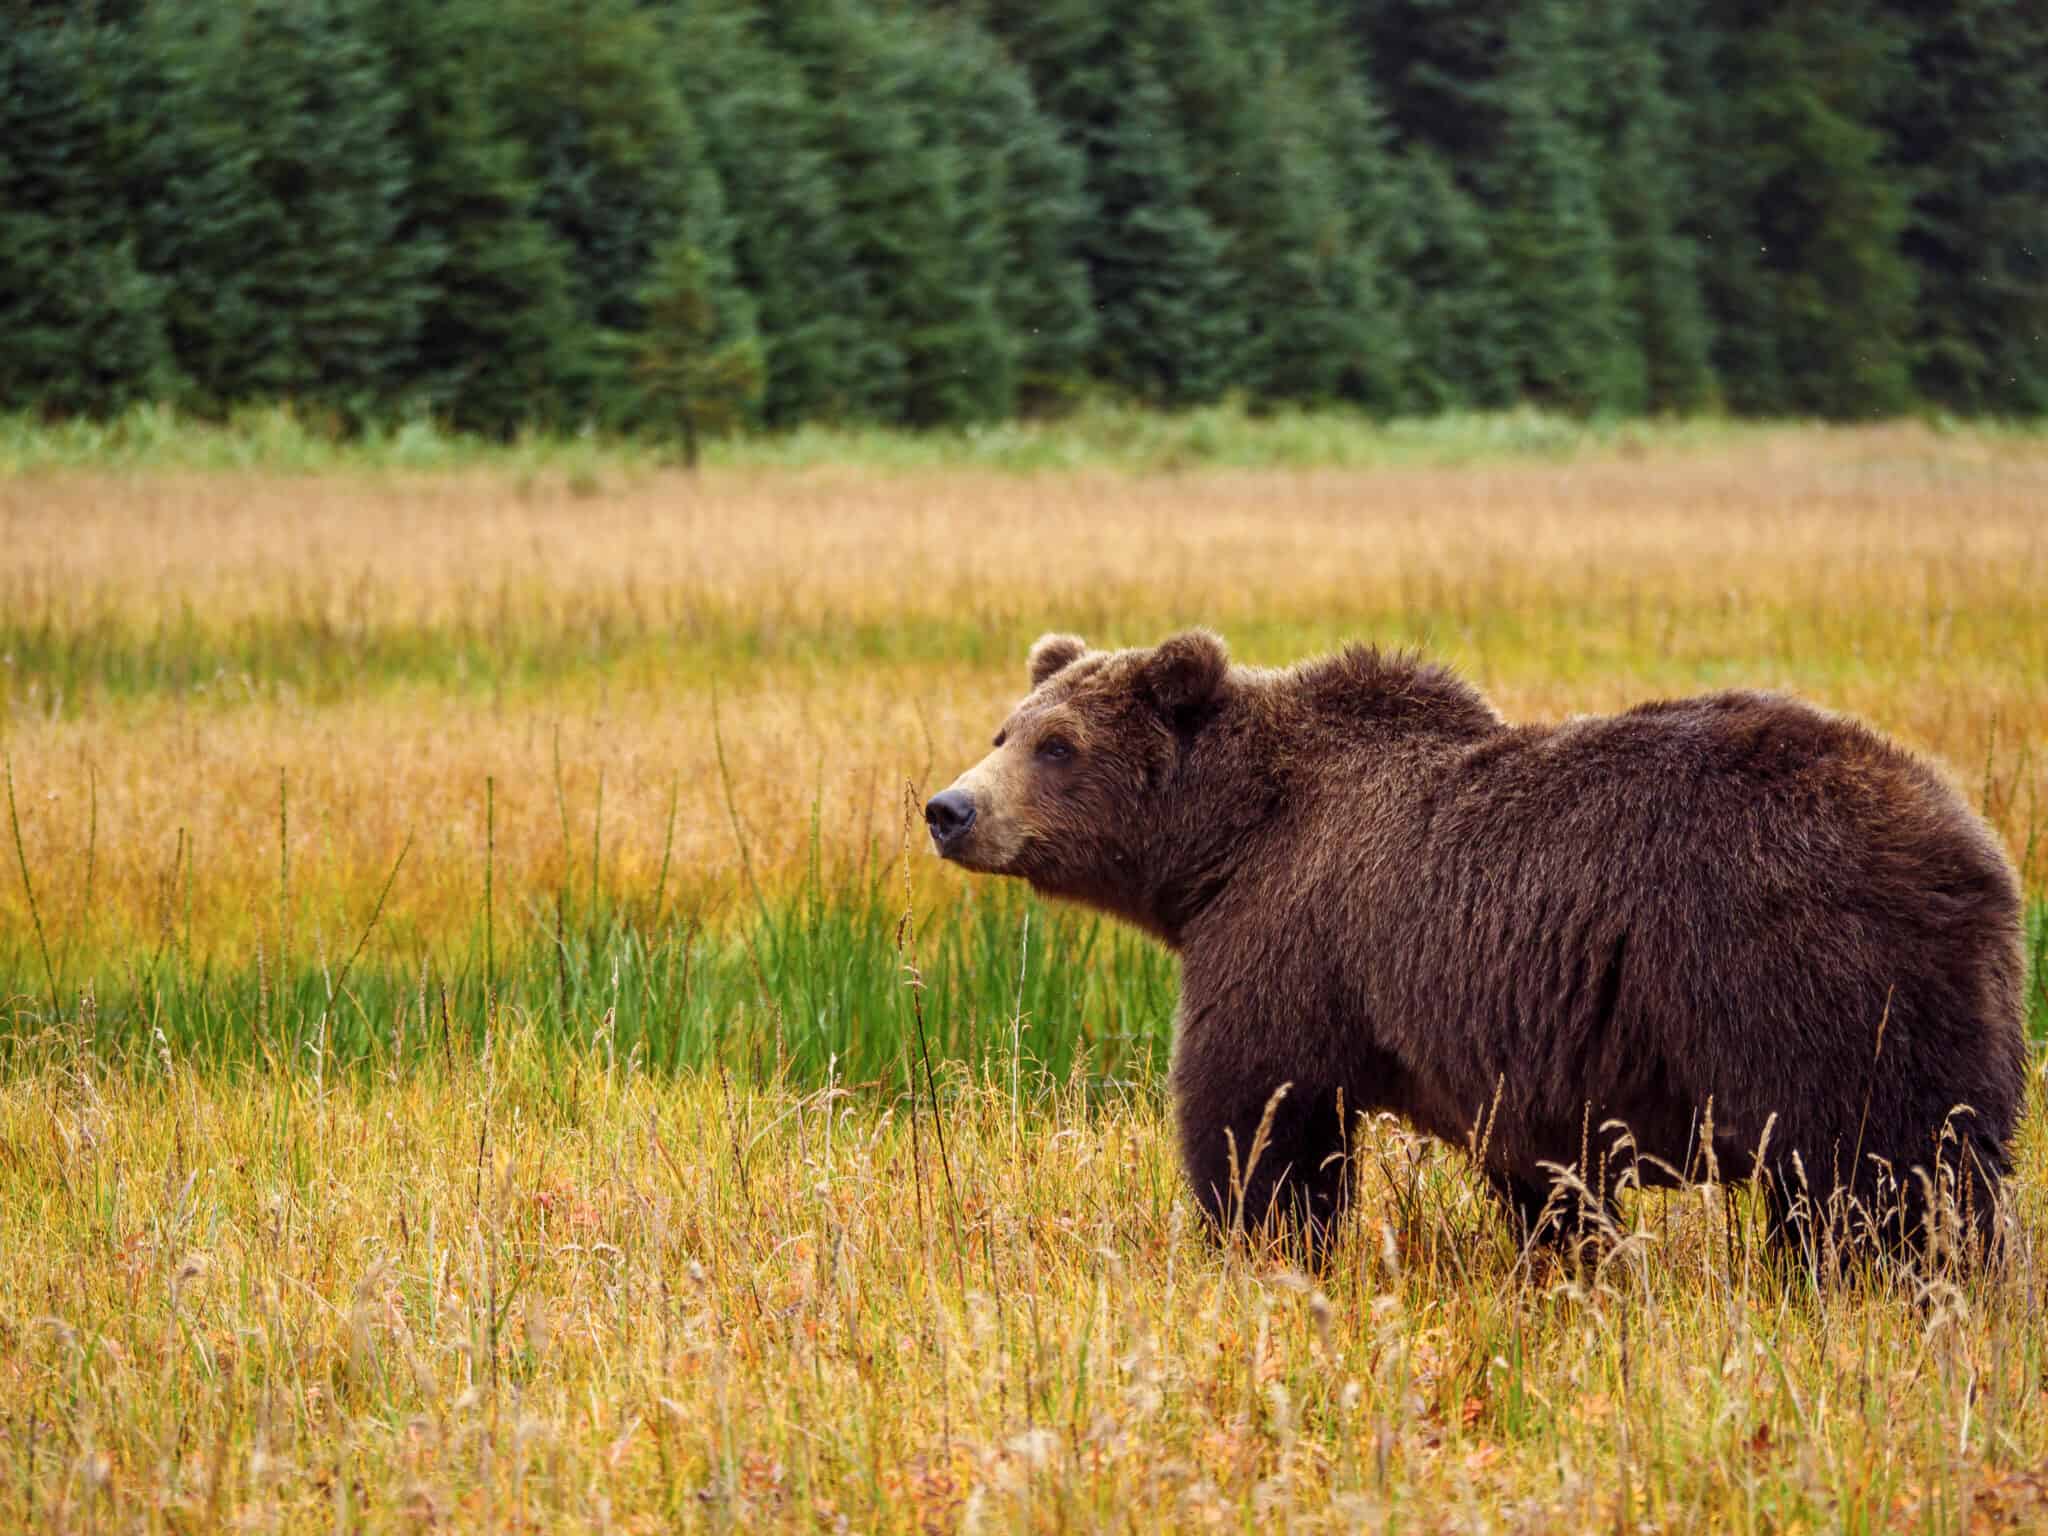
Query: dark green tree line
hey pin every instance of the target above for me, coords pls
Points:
(551, 214)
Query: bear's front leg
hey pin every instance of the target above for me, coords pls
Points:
(1290, 1183)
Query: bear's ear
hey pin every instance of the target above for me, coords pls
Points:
(1055, 653)
(1184, 673)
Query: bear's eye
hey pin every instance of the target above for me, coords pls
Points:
(1055, 749)
(1001, 737)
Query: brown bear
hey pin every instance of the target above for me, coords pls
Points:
(1726, 936)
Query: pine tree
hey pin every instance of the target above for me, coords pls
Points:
(1572, 346)
(281, 188)
(1704, 52)
(1461, 353)
(938, 211)
(790, 253)
(497, 333)
(1170, 318)
(620, 173)
(1282, 139)
(1807, 283)
(81, 327)
(701, 373)
(1314, 255)
(916, 216)
(1433, 68)
(1830, 211)
(1433, 65)
(1639, 128)
(1173, 329)
(1970, 128)
(1028, 185)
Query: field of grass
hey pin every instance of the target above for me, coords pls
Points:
(482, 1044)
(522, 1290)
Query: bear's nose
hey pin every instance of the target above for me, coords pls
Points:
(949, 814)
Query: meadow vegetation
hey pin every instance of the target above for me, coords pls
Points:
(485, 1047)
(518, 1289)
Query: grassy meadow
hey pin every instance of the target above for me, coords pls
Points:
(483, 1044)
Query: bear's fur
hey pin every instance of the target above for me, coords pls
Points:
(1756, 935)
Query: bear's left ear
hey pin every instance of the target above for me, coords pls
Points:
(1053, 654)
(1183, 675)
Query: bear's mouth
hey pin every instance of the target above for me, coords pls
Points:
(964, 849)
(973, 822)
(977, 847)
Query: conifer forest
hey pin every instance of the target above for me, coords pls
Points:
(554, 215)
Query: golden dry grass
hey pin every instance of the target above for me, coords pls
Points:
(176, 643)
(516, 1283)
(533, 1293)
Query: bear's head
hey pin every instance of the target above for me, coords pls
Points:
(1111, 782)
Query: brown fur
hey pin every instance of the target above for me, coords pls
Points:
(1732, 924)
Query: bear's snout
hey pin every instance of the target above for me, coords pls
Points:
(949, 814)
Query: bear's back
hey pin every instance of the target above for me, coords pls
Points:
(1719, 897)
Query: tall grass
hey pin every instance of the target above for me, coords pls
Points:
(530, 1286)
(170, 642)
(816, 988)
(1097, 435)
(809, 982)
(473, 1054)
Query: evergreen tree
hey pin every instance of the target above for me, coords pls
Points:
(1639, 128)
(790, 253)
(608, 142)
(1572, 346)
(1433, 67)
(938, 211)
(280, 190)
(1354, 136)
(1075, 53)
(497, 336)
(1170, 326)
(1704, 52)
(1460, 352)
(80, 323)
(1830, 211)
(1970, 125)
(1300, 175)
(1172, 331)
(1434, 64)
(1029, 185)
(917, 217)
(280, 187)
(702, 374)
(1810, 293)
